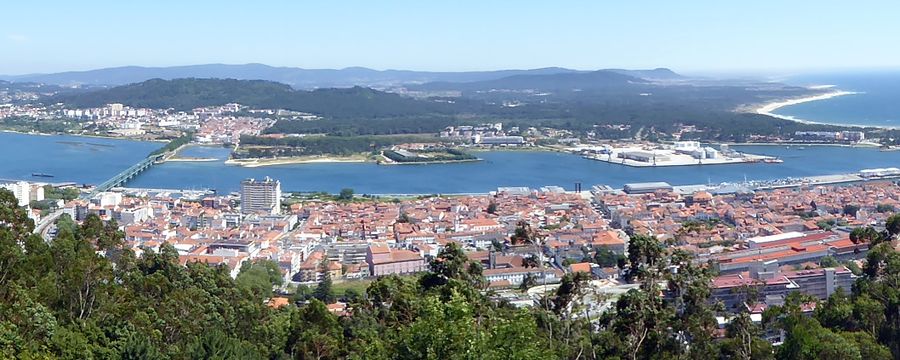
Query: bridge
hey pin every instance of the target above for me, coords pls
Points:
(127, 174)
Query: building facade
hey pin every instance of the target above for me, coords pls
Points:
(261, 196)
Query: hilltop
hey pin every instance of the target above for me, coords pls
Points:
(601, 79)
(299, 78)
(296, 77)
(596, 102)
(186, 94)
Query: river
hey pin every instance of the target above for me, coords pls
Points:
(93, 160)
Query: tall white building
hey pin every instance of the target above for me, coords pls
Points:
(261, 196)
(25, 192)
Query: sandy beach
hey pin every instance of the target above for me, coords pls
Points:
(251, 163)
(177, 159)
(770, 108)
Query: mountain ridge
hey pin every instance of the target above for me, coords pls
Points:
(299, 78)
(188, 93)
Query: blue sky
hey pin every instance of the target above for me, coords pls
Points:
(689, 36)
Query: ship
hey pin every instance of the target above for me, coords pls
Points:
(42, 175)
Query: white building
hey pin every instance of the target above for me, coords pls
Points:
(25, 192)
(107, 199)
(261, 196)
(687, 146)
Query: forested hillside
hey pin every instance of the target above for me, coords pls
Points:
(83, 296)
(615, 99)
(187, 94)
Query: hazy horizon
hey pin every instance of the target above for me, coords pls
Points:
(699, 37)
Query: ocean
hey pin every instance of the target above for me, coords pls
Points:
(876, 104)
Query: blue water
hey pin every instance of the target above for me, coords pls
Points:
(68, 158)
(514, 168)
(877, 104)
(92, 160)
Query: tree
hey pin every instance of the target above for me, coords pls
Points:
(828, 262)
(301, 293)
(496, 246)
(850, 209)
(569, 289)
(523, 234)
(529, 281)
(492, 208)
(836, 312)
(452, 265)
(324, 291)
(404, 218)
(743, 341)
(259, 277)
(808, 340)
(352, 295)
(607, 258)
(644, 256)
(346, 194)
(315, 333)
(866, 234)
(869, 348)
(892, 224)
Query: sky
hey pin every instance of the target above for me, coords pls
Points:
(691, 36)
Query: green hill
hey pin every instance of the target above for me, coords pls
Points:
(186, 94)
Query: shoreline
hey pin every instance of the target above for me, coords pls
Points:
(770, 108)
(176, 159)
(36, 133)
(260, 162)
(435, 162)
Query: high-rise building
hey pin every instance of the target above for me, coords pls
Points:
(22, 191)
(261, 196)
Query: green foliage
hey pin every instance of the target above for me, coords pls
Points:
(828, 262)
(867, 234)
(850, 209)
(83, 296)
(492, 208)
(266, 147)
(54, 193)
(808, 340)
(259, 277)
(174, 144)
(324, 291)
(345, 194)
(187, 94)
(893, 224)
(607, 258)
(44, 126)
(598, 109)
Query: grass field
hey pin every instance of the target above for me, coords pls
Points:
(359, 285)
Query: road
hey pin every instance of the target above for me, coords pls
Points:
(42, 227)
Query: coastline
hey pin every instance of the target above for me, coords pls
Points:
(431, 162)
(36, 133)
(177, 159)
(257, 162)
(769, 109)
